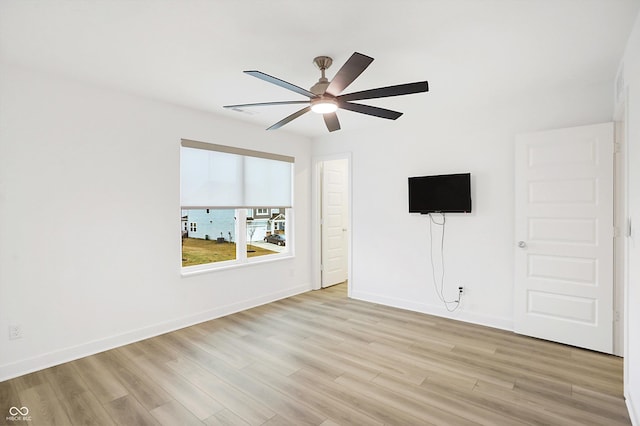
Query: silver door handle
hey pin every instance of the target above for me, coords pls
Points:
(522, 244)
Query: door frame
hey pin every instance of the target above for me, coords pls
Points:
(316, 229)
(620, 215)
(621, 218)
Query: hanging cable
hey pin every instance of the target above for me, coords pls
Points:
(440, 288)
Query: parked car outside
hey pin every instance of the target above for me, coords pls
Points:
(278, 239)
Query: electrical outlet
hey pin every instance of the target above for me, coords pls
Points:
(460, 290)
(15, 331)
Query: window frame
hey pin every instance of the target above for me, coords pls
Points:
(242, 260)
(240, 229)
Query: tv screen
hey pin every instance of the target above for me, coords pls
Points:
(440, 194)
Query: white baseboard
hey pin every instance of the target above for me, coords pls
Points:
(46, 360)
(631, 408)
(440, 311)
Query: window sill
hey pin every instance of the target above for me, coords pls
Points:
(190, 271)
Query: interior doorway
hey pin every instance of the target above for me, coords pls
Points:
(332, 201)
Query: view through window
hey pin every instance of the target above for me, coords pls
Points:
(211, 235)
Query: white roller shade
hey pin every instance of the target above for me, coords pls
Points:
(227, 177)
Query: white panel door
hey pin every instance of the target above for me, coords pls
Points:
(334, 211)
(564, 236)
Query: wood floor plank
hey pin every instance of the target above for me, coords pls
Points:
(173, 413)
(261, 348)
(452, 379)
(226, 418)
(354, 351)
(65, 380)
(279, 403)
(78, 401)
(193, 398)
(561, 401)
(320, 358)
(608, 405)
(335, 409)
(224, 345)
(519, 406)
(287, 408)
(463, 364)
(433, 396)
(85, 409)
(44, 406)
(140, 385)
(428, 414)
(103, 384)
(325, 353)
(381, 412)
(30, 380)
(252, 411)
(280, 421)
(128, 411)
(565, 364)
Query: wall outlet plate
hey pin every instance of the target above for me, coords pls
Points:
(15, 331)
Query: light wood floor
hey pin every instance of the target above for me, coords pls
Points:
(322, 359)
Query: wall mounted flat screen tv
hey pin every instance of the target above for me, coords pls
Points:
(440, 194)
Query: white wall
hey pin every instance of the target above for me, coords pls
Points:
(80, 269)
(391, 247)
(631, 66)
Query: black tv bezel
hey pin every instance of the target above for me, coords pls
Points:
(435, 210)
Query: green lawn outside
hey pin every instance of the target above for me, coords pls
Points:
(197, 252)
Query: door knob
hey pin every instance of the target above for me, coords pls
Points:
(522, 244)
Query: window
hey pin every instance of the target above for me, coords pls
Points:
(229, 197)
(211, 237)
(266, 235)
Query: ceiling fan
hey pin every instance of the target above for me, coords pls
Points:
(325, 98)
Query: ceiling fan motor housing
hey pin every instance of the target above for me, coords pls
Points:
(320, 87)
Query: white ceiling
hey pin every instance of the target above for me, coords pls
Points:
(193, 53)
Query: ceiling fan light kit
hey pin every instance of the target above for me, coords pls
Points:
(324, 106)
(325, 96)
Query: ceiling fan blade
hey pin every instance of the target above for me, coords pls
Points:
(351, 69)
(290, 118)
(281, 83)
(384, 92)
(370, 110)
(332, 122)
(266, 104)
